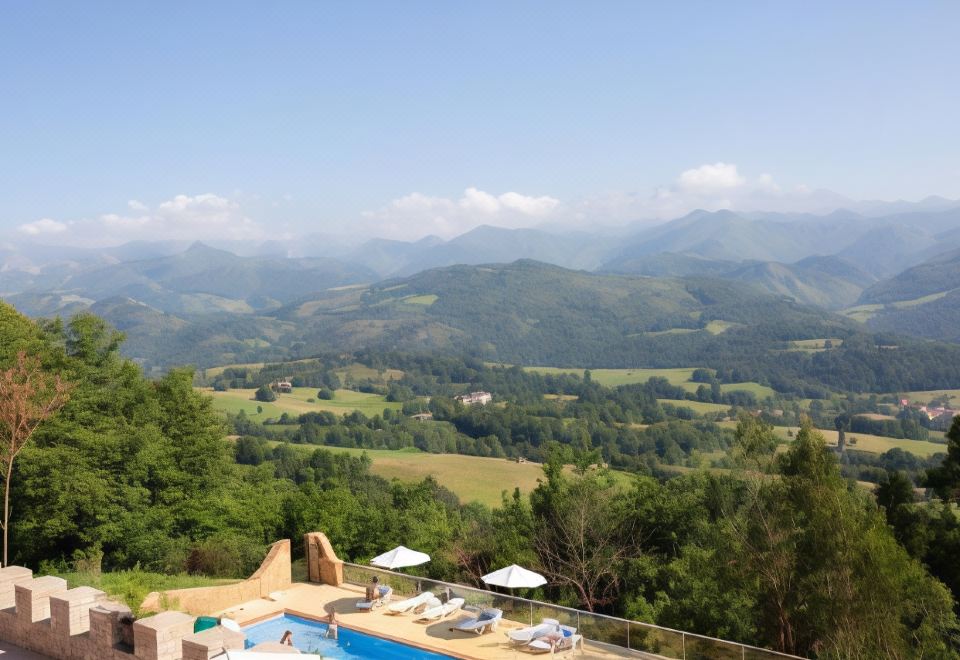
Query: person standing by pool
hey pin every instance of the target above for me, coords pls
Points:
(287, 638)
(332, 629)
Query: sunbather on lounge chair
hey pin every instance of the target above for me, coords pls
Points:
(527, 635)
(484, 622)
(559, 640)
(410, 604)
(375, 597)
(441, 611)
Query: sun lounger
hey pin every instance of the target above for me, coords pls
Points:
(486, 621)
(564, 639)
(384, 594)
(527, 635)
(410, 604)
(441, 611)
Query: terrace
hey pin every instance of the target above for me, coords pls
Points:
(76, 623)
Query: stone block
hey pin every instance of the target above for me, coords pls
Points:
(212, 642)
(105, 626)
(33, 597)
(9, 577)
(70, 611)
(160, 637)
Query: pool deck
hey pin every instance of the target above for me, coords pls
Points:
(314, 601)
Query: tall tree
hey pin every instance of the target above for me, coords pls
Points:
(945, 480)
(28, 397)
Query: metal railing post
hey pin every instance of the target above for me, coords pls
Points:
(683, 644)
(531, 613)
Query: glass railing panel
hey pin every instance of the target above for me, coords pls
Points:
(704, 648)
(653, 639)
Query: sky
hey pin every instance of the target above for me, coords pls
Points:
(251, 120)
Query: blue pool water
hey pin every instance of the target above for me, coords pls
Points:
(310, 637)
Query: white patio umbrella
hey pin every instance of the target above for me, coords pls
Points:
(400, 557)
(514, 577)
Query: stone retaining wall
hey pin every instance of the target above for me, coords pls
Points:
(273, 575)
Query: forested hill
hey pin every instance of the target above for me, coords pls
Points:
(923, 301)
(533, 313)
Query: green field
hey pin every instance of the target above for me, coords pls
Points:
(614, 377)
(344, 401)
(680, 376)
(359, 372)
(862, 313)
(472, 478)
(699, 407)
(425, 300)
(716, 327)
(815, 345)
(865, 442)
(930, 395)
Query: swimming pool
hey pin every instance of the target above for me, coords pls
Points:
(310, 637)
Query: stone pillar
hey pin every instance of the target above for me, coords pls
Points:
(160, 637)
(212, 642)
(105, 632)
(9, 577)
(322, 562)
(33, 597)
(70, 611)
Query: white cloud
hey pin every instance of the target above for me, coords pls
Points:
(415, 215)
(184, 217)
(42, 227)
(710, 178)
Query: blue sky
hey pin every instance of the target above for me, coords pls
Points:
(377, 117)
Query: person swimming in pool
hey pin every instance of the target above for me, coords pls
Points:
(287, 638)
(332, 629)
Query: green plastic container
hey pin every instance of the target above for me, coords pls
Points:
(205, 623)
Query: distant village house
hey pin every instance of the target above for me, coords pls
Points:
(481, 398)
(283, 386)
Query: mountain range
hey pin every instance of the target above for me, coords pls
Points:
(892, 272)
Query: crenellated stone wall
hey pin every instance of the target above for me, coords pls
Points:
(42, 615)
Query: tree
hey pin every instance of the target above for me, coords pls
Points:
(945, 480)
(28, 397)
(582, 536)
(265, 394)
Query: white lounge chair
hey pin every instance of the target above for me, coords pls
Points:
(486, 621)
(530, 633)
(402, 606)
(564, 639)
(441, 611)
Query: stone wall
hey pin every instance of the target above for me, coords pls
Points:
(42, 615)
(322, 562)
(273, 575)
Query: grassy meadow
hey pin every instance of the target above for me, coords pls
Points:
(296, 403)
(875, 444)
(472, 478)
(699, 407)
(930, 395)
(680, 377)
